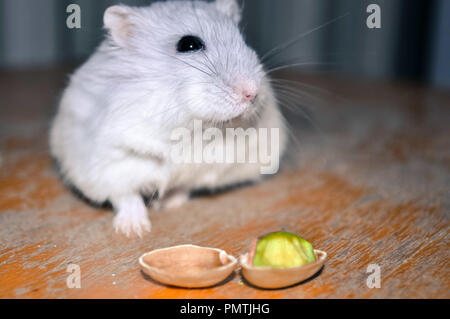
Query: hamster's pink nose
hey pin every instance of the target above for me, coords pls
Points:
(249, 96)
(248, 91)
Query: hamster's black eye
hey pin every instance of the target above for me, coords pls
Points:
(190, 43)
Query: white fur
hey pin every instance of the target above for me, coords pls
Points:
(112, 131)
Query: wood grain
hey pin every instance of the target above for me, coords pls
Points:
(368, 183)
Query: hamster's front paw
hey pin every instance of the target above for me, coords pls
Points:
(130, 223)
(132, 217)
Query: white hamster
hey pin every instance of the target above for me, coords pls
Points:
(160, 68)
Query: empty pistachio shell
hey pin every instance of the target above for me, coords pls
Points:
(275, 278)
(188, 266)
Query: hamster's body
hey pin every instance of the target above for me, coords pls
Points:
(112, 133)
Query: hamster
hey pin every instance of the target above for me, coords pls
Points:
(160, 67)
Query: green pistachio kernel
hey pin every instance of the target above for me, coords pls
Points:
(283, 250)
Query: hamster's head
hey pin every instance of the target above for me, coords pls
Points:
(194, 52)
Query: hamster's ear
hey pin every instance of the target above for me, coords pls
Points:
(231, 8)
(116, 20)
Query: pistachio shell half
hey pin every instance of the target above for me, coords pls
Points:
(188, 266)
(276, 278)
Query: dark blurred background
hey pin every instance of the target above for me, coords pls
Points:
(413, 43)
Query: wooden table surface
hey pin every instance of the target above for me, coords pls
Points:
(368, 182)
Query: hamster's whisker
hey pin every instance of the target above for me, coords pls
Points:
(297, 97)
(294, 83)
(228, 94)
(193, 66)
(290, 129)
(208, 66)
(288, 66)
(194, 8)
(297, 92)
(299, 83)
(290, 126)
(304, 58)
(187, 63)
(297, 104)
(258, 113)
(280, 48)
(223, 91)
(210, 62)
(227, 99)
(294, 106)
